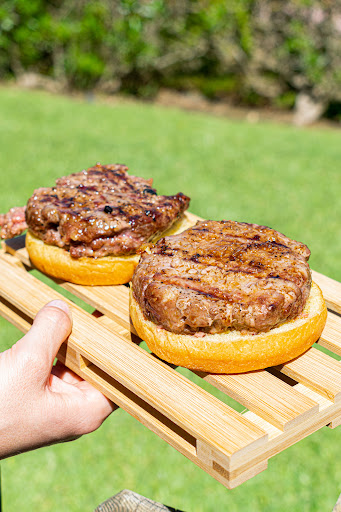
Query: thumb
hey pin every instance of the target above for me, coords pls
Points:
(52, 325)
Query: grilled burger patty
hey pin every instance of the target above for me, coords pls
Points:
(223, 275)
(101, 211)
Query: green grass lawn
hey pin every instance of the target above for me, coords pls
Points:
(277, 175)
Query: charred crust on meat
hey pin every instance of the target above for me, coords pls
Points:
(150, 191)
(196, 257)
(103, 202)
(218, 277)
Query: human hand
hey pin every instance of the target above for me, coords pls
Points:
(42, 404)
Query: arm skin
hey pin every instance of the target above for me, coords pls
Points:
(42, 404)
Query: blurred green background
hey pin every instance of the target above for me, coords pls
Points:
(279, 175)
(255, 52)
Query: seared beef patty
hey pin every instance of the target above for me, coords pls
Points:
(101, 211)
(222, 275)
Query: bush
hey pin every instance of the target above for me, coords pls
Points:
(296, 45)
(256, 50)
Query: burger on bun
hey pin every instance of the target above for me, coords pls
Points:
(90, 227)
(226, 297)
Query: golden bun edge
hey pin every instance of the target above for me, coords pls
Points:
(233, 352)
(108, 270)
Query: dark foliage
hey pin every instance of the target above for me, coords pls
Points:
(254, 51)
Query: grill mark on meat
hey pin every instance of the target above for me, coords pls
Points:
(247, 285)
(297, 272)
(102, 203)
(207, 288)
(240, 232)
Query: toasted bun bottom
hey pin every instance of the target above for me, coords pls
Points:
(107, 270)
(233, 352)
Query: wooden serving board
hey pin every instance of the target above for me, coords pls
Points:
(285, 404)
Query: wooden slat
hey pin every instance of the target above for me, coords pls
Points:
(331, 290)
(115, 327)
(187, 405)
(336, 422)
(323, 401)
(13, 260)
(16, 247)
(316, 370)
(331, 335)
(112, 301)
(14, 316)
(279, 441)
(269, 397)
(120, 395)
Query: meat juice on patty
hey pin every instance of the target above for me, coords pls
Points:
(223, 275)
(102, 211)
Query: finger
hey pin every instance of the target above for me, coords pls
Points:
(94, 408)
(79, 408)
(52, 325)
(62, 386)
(63, 373)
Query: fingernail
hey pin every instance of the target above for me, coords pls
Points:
(61, 305)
